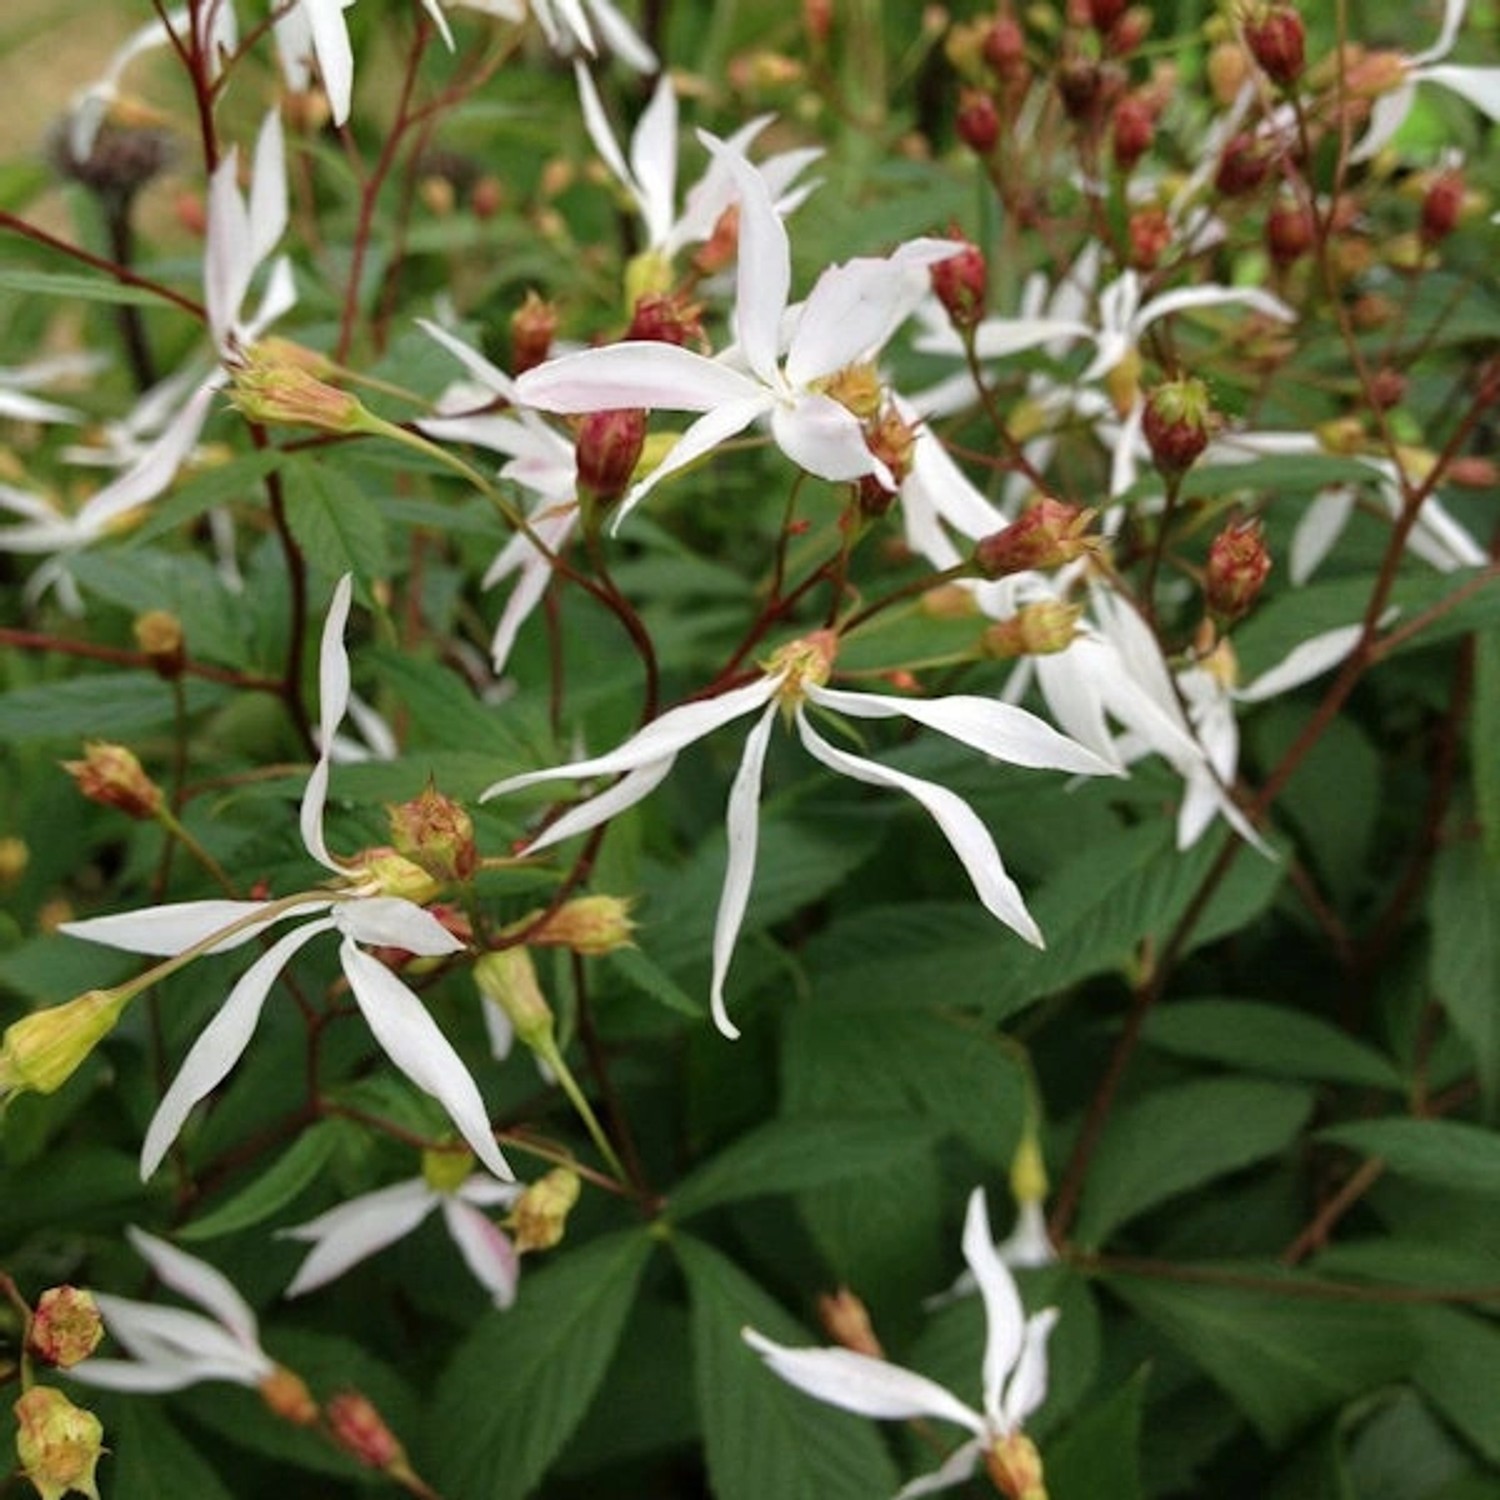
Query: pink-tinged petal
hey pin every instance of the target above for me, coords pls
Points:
(1310, 659)
(763, 268)
(162, 931)
(711, 429)
(475, 363)
(393, 922)
(856, 1382)
(486, 1249)
(220, 1044)
(966, 834)
(996, 729)
(199, 1282)
(333, 701)
(330, 39)
(268, 201)
(1003, 1314)
(855, 307)
(634, 373)
(1027, 1387)
(411, 1039)
(653, 158)
(743, 824)
(826, 439)
(131, 1377)
(631, 788)
(663, 737)
(356, 1230)
(621, 39)
(957, 1468)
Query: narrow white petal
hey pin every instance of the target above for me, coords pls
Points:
(826, 439)
(486, 1249)
(475, 363)
(268, 200)
(357, 1230)
(1387, 115)
(1027, 1388)
(200, 1282)
(486, 1192)
(858, 1383)
(1004, 1317)
(958, 1467)
(1187, 297)
(220, 1044)
(411, 1039)
(635, 373)
(621, 38)
(996, 338)
(966, 834)
(663, 736)
(997, 729)
(1480, 86)
(435, 11)
(330, 38)
(393, 922)
(162, 931)
(743, 825)
(535, 570)
(333, 700)
(1441, 541)
(596, 122)
(1304, 662)
(137, 1379)
(228, 260)
(653, 156)
(1453, 18)
(1318, 528)
(635, 786)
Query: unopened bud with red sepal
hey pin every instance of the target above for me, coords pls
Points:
(978, 121)
(1178, 423)
(1047, 534)
(1244, 164)
(1041, 628)
(1133, 131)
(1442, 206)
(65, 1327)
(590, 925)
(435, 833)
(1238, 565)
(1290, 231)
(666, 318)
(533, 326)
(608, 447)
(961, 283)
(112, 776)
(1004, 48)
(1277, 41)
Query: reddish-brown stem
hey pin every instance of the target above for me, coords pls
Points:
(32, 640)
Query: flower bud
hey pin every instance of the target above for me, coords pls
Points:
(111, 776)
(1129, 31)
(846, 1320)
(1133, 132)
(383, 872)
(1470, 471)
(817, 21)
(57, 1443)
(1047, 534)
(590, 925)
(1178, 423)
(65, 1328)
(1277, 41)
(1015, 1468)
(1004, 48)
(286, 1396)
(158, 633)
(961, 283)
(1103, 14)
(721, 247)
(540, 1217)
(1243, 165)
(1290, 231)
(1080, 86)
(1442, 206)
(533, 326)
(275, 381)
(507, 978)
(487, 196)
(434, 832)
(359, 1429)
(1028, 1172)
(1387, 388)
(1042, 628)
(40, 1052)
(1149, 232)
(1226, 69)
(665, 318)
(14, 857)
(978, 122)
(892, 439)
(1238, 564)
(608, 447)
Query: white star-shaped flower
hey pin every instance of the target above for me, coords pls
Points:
(571, 24)
(360, 912)
(794, 678)
(1013, 1379)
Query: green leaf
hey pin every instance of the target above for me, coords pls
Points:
(1272, 1039)
(1099, 1453)
(334, 521)
(74, 287)
(520, 1384)
(637, 969)
(1181, 1137)
(77, 1186)
(1459, 1372)
(146, 1457)
(1283, 1359)
(1464, 907)
(444, 710)
(1446, 1153)
(294, 1170)
(763, 1437)
(1484, 735)
(788, 1155)
(97, 707)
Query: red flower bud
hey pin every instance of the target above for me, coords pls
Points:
(961, 283)
(1104, 13)
(1442, 206)
(1005, 47)
(1047, 534)
(1290, 231)
(1243, 166)
(533, 325)
(1277, 42)
(1129, 31)
(111, 776)
(1134, 130)
(1238, 564)
(1387, 387)
(1177, 424)
(1149, 232)
(608, 447)
(666, 319)
(978, 122)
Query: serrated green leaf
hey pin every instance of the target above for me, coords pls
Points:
(334, 521)
(638, 970)
(233, 483)
(1274, 1039)
(444, 711)
(1283, 1359)
(98, 707)
(1099, 1452)
(1445, 1153)
(1464, 908)
(1178, 1138)
(789, 1155)
(294, 1170)
(763, 1437)
(514, 1392)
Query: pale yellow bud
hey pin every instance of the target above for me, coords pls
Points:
(57, 1443)
(40, 1052)
(508, 979)
(540, 1216)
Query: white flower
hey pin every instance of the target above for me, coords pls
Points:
(171, 1348)
(359, 912)
(18, 381)
(852, 310)
(791, 680)
(1013, 1381)
(1480, 86)
(566, 24)
(357, 1229)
